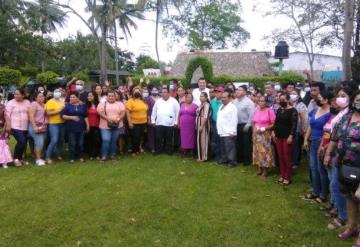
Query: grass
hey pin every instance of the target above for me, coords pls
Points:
(156, 201)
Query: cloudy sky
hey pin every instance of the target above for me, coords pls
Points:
(143, 38)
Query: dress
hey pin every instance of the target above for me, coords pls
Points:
(151, 129)
(263, 153)
(203, 137)
(5, 153)
(187, 126)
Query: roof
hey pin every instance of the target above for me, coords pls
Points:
(228, 62)
(111, 72)
(316, 54)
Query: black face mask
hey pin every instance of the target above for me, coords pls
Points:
(318, 102)
(333, 110)
(283, 104)
(137, 95)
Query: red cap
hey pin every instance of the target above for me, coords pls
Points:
(219, 89)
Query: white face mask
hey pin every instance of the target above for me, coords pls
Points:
(307, 89)
(277, 87)
(57, 95)
(293, 98)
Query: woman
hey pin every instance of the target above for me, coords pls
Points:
(93, 141)
(263, 153)
(76, 123)
(203, 114)
(38, 125)
(112, 114)
(17, 115)
(136, 113)
(187, 120)
(99, 93)
(56, 125)
(301, 108)
(181, 97)
(150, 101)
(285, 131)
(345, 141)
(317, 119)
(339, 107)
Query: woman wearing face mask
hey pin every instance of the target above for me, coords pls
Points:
(285, 131)
(339, 107)
(317, 119)
(136, 113)
(345, 140)
(301, 127)
(150, 101)
(56, 125)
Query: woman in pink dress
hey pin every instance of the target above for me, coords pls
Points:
(187, 117)
(5, 153)
(263, 121)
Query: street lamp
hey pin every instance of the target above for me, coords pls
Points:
(281, 52)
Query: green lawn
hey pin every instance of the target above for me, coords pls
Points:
(156, 201)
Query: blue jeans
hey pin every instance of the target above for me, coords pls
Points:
(76, 144)
(319, 177)
(39, 138)
(215, 142)
(56, 134)
(109, 137)
(21, 138)
(337, 197)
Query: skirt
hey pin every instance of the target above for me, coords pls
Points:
(5, 153)
(263, 154)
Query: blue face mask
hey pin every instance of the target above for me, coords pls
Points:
(57, 95)
(79, 87)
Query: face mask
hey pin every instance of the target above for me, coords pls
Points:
(307, 89)
(79, 87)
(357, 107)
(283, 104)
(57, 95)
(145, 95)
(137, 95)
(342, 102)
(41, 91)
(155, 94)
(277, 87)
(171, 87)
(318, 102)
(293, 97)
(333, 110)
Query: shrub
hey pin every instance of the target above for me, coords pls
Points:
(48, 77)
(81, 75)
(9, 76)
(205, 65)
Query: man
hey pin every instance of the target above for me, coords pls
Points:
(201, 88)
(215, 106)
(212, 93)
(165, 117)
(290, 87)
(315, 89)
(245, 109)
(270, 94)
(79, 87)
(226, 125)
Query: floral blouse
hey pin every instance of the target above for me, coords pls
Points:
(347, 135)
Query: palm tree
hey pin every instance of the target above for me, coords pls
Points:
(46, 16)
(13, 11)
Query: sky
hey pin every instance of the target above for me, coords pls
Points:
(143, 38)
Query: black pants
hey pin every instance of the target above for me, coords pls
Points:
(21, 139)
(137, 133)
(244, 145)
(164, 139)
(228, 150)
(93, 142)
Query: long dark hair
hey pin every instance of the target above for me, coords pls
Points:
(352, 99)
(96, 100)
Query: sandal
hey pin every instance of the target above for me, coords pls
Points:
(280, 181)
(332, 213)
(310, 196)
(348, 234)
(320, 200)
(286, 182)
(337, 223)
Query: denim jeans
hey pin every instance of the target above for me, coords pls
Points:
(39, 138)
(21, 138)
(109, 138)
(319, 177)
(56, 135)
(76, 144)
(337, 197)
(215, 142)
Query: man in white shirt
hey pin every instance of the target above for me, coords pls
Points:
(202, 88)
(165, 118)
(226, 124)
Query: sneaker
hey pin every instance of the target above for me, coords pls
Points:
(5, 166)
(40, 162)
(72, 161)
(17, 163)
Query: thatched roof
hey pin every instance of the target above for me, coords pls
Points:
(227, 62)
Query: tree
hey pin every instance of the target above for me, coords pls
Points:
(145, 62)
(348, 35)
(207, 24)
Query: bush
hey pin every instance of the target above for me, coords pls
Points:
(81, 75)
(205, 65)
(9, 76)
(29, 70)
(48, 77)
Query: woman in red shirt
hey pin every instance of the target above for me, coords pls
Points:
(93, 140)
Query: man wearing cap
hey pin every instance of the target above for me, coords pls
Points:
(245, 109)
(197, 92)
(215, 138)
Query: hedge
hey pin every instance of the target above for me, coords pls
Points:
(48, 77)
(81, 75)
(9, 76)
(205, 65)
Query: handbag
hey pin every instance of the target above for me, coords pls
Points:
(110, 124)
(350, 174)
(42, 127)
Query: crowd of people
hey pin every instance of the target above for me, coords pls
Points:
(278, 126)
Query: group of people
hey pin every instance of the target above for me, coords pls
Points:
(279, 126)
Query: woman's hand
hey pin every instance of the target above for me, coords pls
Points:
(131, 125)
(76, 118)
(327, 159)
(306, 144)
(290, 139)
(321, 152)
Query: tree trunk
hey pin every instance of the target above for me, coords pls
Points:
(157, 33)
(116, 56)
(357, 30)
(103, 73)
(42, 56)
(348, 34)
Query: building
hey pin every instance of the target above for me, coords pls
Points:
(227, 62)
